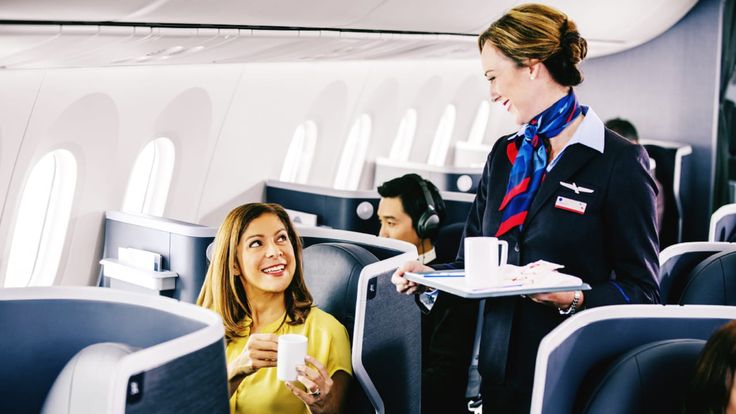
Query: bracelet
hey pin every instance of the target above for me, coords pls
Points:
(573, 305)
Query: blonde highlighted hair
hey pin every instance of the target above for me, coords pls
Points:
(536, 31)
(224, 293)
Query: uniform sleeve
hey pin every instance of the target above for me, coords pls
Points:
(631, 239)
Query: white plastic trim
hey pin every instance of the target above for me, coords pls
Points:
(162, 223)
(149, 279)
(352, 236)
(418, 167)
(144, 359)
(366, 275)
(723, 211)
(328, 191)
(679, 249)
(576, 322)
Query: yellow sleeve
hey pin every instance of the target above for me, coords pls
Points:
(334, 349)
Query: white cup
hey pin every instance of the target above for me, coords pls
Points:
(292, 351)
(482, 261)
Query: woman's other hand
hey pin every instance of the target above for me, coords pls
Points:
(323, 395)
(259, 352)
(403, 285)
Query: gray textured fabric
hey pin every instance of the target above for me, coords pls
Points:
(577, 363)
(673, 275)
(331, 272)
(392, 346)
(651, 378)
(712, 282)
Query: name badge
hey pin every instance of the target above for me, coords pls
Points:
(568, 204)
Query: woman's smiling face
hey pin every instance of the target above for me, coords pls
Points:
(266, 256)
(510, 83)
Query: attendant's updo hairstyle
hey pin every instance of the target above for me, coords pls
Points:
(536, 31)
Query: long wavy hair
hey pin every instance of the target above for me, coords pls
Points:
(224, 293)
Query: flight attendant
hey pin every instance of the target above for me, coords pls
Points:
(563, 189)
(255, 283)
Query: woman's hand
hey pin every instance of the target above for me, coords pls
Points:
(323, 395)
(404, 285)
(561, 300)
(259, 352)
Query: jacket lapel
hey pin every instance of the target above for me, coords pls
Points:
(573, 159)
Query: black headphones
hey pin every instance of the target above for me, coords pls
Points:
(429, 221)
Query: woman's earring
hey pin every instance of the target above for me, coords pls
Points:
(531, 77)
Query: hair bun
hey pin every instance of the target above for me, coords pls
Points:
(572, 45)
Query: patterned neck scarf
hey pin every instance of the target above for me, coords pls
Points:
(529, 155)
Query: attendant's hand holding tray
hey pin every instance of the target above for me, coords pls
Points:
(537, 277)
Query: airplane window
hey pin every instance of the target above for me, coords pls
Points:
(478, 130)
(404, 137)
(442, 137)
(353, 154)
(299, 156)
(148, 185)
(43, 217)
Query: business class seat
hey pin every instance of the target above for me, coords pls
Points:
(723, 224)
(332, 272)
(166, 357)
(675, 175)
(651, 378)
(349, 282)
(574, 357)
(712, 282)
(677, 261)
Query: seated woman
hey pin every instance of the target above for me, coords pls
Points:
(713, 389)
(255, 283)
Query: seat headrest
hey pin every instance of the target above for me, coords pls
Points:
(650, 378)
(448, 241)
(86, 382)
(331, 272)
(712, 282)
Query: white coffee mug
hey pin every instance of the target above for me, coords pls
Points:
(483, 262)
(292, 351)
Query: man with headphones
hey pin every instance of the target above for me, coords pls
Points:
(411, 209)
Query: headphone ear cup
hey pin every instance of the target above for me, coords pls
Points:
(428, 224)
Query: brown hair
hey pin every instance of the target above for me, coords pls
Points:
(710, 388)
(225, 294)
(536, 31)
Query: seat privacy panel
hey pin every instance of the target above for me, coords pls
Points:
(392, 347)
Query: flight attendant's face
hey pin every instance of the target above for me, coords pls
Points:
(395, 223)
(511, 85)
(265, 255)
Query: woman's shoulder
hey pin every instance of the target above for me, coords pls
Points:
(318, 317)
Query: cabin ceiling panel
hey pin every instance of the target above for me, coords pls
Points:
(69, 10)
(291, 30)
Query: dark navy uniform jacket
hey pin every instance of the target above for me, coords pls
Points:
(612, 246)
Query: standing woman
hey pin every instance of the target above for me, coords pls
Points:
(255, 283)
(563, 189)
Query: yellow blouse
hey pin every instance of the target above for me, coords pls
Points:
(262, 392)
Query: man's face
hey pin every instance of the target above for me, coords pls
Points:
(395, 223)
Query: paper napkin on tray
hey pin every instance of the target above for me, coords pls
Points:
(540, 274)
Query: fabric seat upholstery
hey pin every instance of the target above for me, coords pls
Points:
(331, 272)
(651, 378)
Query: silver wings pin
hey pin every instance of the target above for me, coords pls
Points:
(575, 188)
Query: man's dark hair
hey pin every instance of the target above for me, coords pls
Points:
(624, 128)
(408, 189)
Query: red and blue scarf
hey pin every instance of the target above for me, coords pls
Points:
(529, 156)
